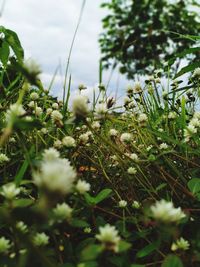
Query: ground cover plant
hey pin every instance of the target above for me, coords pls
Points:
(95, 184)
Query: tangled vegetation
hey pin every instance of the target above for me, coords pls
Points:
(97, 184)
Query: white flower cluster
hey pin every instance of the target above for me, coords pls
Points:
(10, 191)
(68, 141)
(108, 236)
(62, 212)
(3, 158)
(40, 239)
(165, 211)
(82, 187)
(126, 138)
(80, 106)
(4, 245)
(192, 127)
(181, 244)
(15, 110)
(56, 174)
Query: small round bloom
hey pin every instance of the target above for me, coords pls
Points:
(21, 226)
(165, 211)
(4, 245)
(87, 230)
(68, 141)
(15, 110)
(10, 191)
(122, 204)
(34, 96)
(80, 106)
(55, 106)
(57, 144)
(49, 111)
(172, 115)
(31, 104)
(126, 138)
(38, 111)
(55, 176)
(96, 125)
(196, 73)
(108, 236)
(142, 118)
(137, 88)
(56, 116)
(62, 212)
(84, 138)
(113, 132)
(101, 109)
(40, 239)
(3, 158)
(136, 205)
(50, 154)
(132, 170)
(134, 157)
(163, 146)
(82, 187)
(181, 244)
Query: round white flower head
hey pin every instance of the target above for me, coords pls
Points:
(80, 106)
(113, 132)
(165, 211)
(56, 176)
(172, 115)
(38, 111)
(197, 115)
(82, 187)
(181, 244)
(41, 239)
(84, 138)
(96, 125)
(142, 118)
(34, 96)
(196, 73)
(50, 154)
(101, 109)
(68, 141)
(132, 170)
(15, 110)
(10, 191)
(191, 129)
(4, 245)
(57, 144)
(55, 106)
(127, 100)
(195, 122)
(134, 157)
(137, 88)
(126, 138)
(22, 227)
(44, 130)
(87, 230)
(136, 204)
(56, 116)
(49, 111)
(108, 236)
(31, 104)
(62, 212)
(122, 203)
(3, 158)
(163, 146)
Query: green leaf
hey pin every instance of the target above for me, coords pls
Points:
(22, 124)
(160, 187)
(4, 53)
(19, 176)
(194, 185)
(105, 193)
(187, 69)
(23, 202)
(172, 261)
(79, 223)
(14, 42)
(91, 252)
(147, 250)
(124, 246)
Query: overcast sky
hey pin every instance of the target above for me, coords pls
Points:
(46, 29)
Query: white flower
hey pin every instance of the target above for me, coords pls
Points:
(101, 109)
(109, 237)
(136, 204)
(82, 187)
(126, 137)
(163, 146)
(134, 157)
(2, 35)
(197, 115)
(55, 106)
(196, 73)
(56, 116)
(31, 104)
(32, 67)
(84, 138)
(165, 211)
(21, 226)
(38, 111)
(87, 230)
(137, 88)
(15, 110)
(4, 245)
(96, 125)
(62, 212)
(50, 154)
(80, 106)
(69, 141)
(10, 191)
(40, 239)
(34, 96)
(44, 130)
(142, 118)
(113, 132)
(132, 170)
(172, 115)
(180, 244)
(122, 203)
(127, 100)
(195, 122)
(56, 176)
(3, 158)
(49, 111)
(57, 144)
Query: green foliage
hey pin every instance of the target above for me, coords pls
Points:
(140, 35)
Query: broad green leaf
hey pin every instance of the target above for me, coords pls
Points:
(19, 176)
(23, 202)
(79, 223)
(91, 252)
(194, 185)
(147, 250)
(14, 42)
(4, 53)
(172, 261)
(123, 246)
(105, 193)
(187, 69)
